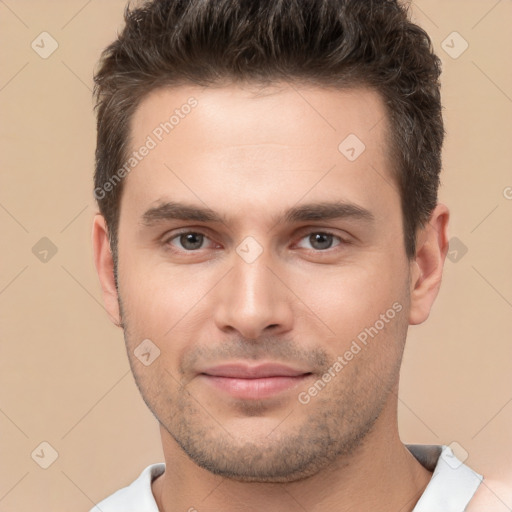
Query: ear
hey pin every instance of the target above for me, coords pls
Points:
(427, 267)
(105, 267)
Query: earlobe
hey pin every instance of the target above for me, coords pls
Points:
(105, 267)
(427, 267)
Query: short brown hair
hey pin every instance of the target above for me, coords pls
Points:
(332, 43)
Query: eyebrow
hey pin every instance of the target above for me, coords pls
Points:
(171, 210)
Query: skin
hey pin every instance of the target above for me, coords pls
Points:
(493, 494)
(250, 155)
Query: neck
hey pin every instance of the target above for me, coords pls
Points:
(381, 474)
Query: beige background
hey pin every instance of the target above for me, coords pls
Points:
(65, 377)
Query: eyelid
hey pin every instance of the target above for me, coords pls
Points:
(326, 231)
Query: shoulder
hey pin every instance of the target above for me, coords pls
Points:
(492, 495)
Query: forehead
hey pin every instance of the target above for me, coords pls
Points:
(250, 114)
(251, 147)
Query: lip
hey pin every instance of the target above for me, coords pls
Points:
(254, 382)
(246, 371)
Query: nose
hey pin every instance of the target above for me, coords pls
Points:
(253, 299)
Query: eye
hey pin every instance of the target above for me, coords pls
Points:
(189, 241)
(321, 240)
(193, 241)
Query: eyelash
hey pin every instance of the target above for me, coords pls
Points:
(167, 241)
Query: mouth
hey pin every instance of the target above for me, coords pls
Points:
(247, 382)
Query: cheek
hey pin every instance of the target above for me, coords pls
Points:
(159, 299)
(359, 292)
(365, 307)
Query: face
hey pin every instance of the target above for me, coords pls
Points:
(261, 253)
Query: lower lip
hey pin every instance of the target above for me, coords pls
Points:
(254, 389)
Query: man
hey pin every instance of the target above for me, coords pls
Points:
(267, 175)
